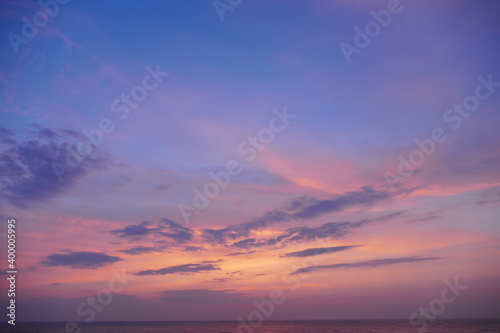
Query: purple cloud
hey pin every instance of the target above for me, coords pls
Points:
(180, 269)
(80, 260)
(369, 263)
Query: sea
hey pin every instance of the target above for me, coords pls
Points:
(299, 326)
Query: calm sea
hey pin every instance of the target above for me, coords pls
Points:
(306, 326)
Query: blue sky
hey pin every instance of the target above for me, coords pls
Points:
(321, 178)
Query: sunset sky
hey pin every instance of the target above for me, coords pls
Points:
(213, 157)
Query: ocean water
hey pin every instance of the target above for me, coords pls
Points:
(306, 326)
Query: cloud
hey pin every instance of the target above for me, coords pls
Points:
(318, 251)
(428, 218)
(80, 260)
(236, 275)
(307, 208)
(306, 234)
(370, 263)
(211, 261)
(134, 230)
(167, 228)
(234, 254)
(181, 269)
(188, 242)
(303, 208)
(220, 280)
(27, 174)
(6, 132)
(135, 251)
(193, 248)
(175, 231)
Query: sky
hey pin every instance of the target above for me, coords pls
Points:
(187, 160)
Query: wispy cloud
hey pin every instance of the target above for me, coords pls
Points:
(318, 251)
(193, 248)
(135, 230)
(166, 228)
(369, 263)
(306, 234)
(180, 269)
(27, 175)
(307, 208)
(135, 251)
(303, 208)
(234, 254)
(175, 231)
(80, 260)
